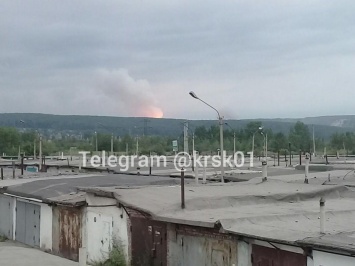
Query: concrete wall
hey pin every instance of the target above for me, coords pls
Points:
(328, 259)
(104, 223)
(203, 249)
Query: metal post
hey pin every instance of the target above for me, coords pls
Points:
(96, 144)
(186, 138)
(40, 153)
(2, 173)
(126, 149)
(222, 148)
(137, 146)
(193, 152)
(34, 149)
(196, 174)
(322, 215)
(289, 146)
(234, 151)
(278, 158)
(253, 143)
(314, 144)
(22, 164)
(13, 169)
(300, 157)
(182, 188)
(112, 144)
(150, 163)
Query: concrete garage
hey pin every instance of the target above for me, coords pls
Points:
(51, 215)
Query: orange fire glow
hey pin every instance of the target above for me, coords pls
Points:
(152, 111)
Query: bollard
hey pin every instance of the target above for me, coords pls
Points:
(182, 188)
(306, 168)
(278, 158)
(300, 157)
(2, 173)
(264, 165)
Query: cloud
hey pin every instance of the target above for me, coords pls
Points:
(135, 97)
(246, 58)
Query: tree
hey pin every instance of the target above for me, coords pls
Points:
(300, 136)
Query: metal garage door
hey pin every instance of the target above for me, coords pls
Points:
(6, 216)
(263, 256)
(28, 218)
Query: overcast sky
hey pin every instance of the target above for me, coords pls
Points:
(249, 59)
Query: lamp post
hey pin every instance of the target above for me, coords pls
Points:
(253, 143)
(265, 145)
(289, 147)
(220, 119)
(234, 150)
(96, 146)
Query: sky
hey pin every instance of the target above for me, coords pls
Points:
(248, 59)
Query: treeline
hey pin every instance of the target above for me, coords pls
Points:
(206, 140)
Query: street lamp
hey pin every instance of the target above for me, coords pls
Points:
(220, 119)
(234, 150)
(96, 147)
(265, 145)
(253, 144)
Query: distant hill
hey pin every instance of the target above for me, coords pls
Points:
(324, 126)
(346, 121)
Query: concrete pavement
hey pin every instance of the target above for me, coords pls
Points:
(15, 254)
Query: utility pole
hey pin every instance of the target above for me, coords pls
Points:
(137, 146)
(186, 138)
(314, 144)
(112, 144)
(40, 152)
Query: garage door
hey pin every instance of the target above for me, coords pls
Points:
(28, 218)
(263, 256)
(6, 217)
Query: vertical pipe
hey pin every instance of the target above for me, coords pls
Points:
(322, 215)
(182, 188)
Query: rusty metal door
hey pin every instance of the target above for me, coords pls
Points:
(149, 245)
(70, 232)
(263, 256)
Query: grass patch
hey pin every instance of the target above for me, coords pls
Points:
(116, 257)
(3, 238)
